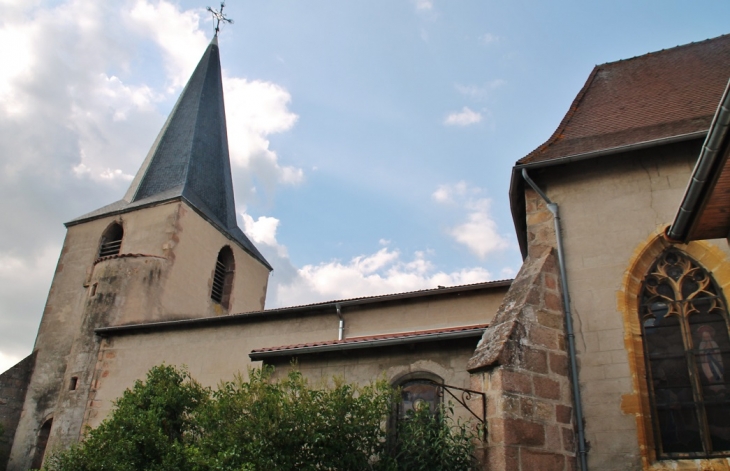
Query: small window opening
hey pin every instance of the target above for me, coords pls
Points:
(40, 444)
(74, 382)
(419, 394)
(111, 240)
(92, 292)
(223, 277)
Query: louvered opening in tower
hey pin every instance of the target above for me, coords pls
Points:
(223, 277)
(218, 280)
(111, 240)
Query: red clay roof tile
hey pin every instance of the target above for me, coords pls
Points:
(658, 95)
(370, 338)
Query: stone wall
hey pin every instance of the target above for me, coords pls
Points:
(522, 366)
(13, 386)
(611, 209)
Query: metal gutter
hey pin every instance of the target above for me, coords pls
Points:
(516, 192)
(341, 327)
(309, 309)
(375, 343)
(705, 171)
(613, 150)
(578, 403)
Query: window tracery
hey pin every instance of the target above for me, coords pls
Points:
(684, 323)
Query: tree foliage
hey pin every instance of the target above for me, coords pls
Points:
(171, 422)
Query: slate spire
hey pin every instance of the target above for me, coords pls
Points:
(189, 159)
(190, 155)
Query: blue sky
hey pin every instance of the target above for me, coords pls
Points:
(371, 142)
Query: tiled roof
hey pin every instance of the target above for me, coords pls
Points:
(404, 294)
(189, 159)
(303, 310)
(659, 95)
(371, 341)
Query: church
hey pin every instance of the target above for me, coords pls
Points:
(606, 352)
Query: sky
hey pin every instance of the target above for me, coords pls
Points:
(371, 141)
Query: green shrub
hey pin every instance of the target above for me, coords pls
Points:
(171, 422)
(428, 442)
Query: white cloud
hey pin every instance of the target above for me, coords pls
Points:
(480, 92)
(385, 271)
(22, 278)
(422, 5)
(115, 174)
(7, 361)
(15, 49)
(489, 38)
(82, 92)
(382, 272)
(465, 117)
(447, 193)
(479, 232)
(507, 272)
(254, 110)
(176, 32)
(263, 231)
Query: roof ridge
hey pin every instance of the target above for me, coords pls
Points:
(444, 289)
(664, 50)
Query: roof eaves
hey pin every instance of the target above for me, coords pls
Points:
(385, 341)
(517, 186)
(310, 309)
(707, 170)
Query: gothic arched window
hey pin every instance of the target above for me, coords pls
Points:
(684, 322)
(111, 240)
(223, 277)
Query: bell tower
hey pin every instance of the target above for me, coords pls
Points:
(170, 249)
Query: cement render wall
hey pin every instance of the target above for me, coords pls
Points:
(170, 243)
(217, 353)
(446, 359)
(610, 207)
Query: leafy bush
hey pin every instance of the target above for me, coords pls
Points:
(428, 442)
(153, 427)
(171, 422)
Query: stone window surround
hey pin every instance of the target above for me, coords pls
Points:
(717, 263)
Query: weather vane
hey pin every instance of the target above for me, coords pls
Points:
(219, 16)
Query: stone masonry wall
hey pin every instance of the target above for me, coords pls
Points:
(522, 366)
(13, 386)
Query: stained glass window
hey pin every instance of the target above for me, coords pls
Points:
(684, 323)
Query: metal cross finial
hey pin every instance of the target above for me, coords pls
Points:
(219, 16)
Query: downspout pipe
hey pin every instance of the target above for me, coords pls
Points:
(553, 207)
(341, 331)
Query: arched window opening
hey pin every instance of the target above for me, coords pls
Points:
(419, 392)
(111, 240)
(223, 277)
(684, 322)
(40, 444)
